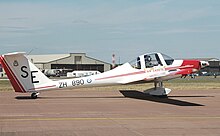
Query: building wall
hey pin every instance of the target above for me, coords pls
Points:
(1, 69)
(86, 67)
(214, 67)
(88, 60)
(67, 60)
(40, 66)
(74, 58)
(2, 72)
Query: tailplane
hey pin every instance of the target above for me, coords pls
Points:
(24, 75)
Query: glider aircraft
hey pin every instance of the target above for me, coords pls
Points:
(25, 77)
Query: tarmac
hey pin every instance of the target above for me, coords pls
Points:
(89, 112)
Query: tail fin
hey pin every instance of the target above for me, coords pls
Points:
(24, 76)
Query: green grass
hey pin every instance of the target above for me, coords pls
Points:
(200, 79)
(199, 83)
(5, 85)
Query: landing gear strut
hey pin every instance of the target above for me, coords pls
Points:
(158, 89)
(34, 95)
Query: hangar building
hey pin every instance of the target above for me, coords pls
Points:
(214, 66)
(73, 61)
(1, 71)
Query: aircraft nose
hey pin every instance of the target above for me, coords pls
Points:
(204, 63)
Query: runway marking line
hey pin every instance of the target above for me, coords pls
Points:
(137, 118)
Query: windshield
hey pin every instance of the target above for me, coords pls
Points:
(168, 59)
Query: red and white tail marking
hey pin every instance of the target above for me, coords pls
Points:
(13, 79)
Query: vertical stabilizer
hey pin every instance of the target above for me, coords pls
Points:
(24, 76)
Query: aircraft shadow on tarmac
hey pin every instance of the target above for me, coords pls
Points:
(167, 100)
(69, 97)
(130, 94)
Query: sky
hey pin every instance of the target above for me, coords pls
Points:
(100, 28)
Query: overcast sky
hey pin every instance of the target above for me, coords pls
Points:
(179, 28)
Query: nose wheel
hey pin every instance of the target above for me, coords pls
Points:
(34, 95)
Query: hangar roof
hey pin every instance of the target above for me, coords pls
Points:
(208, 59)
(203, 59)
(46, 58)
(54, 57)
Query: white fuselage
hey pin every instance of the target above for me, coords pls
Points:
(123, 74)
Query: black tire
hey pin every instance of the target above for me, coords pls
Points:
(34, 96)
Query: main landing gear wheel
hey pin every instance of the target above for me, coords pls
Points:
(34, 95)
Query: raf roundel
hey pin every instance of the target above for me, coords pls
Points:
(89, 80)
(15, 63)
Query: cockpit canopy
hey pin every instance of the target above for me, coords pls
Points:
(151, 60)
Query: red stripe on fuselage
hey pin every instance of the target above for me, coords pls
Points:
(129, 74)
(14, 81)
(43, 87)
(179, 67)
